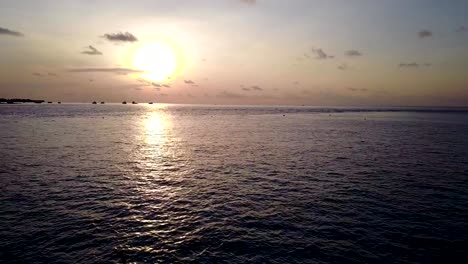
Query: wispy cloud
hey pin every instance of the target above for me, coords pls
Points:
(343, 67)
(189, 82)
(105, 70)
(146, 82)
(256, 88)
(226, 94)
(156, 84)
(250, 2)
(8, 32)
(353, 53)
(414, 65)
(409, 65)
(49, 74)
(425, 33)
(166, 85)
(321, 55)
(120, 37)
(353, 89)
(462, 29)
(251, 88)
(91, 51)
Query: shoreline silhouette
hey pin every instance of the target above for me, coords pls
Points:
(20, 101)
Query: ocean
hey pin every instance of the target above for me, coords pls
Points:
(82, 183)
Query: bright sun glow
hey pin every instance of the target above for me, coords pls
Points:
(157, 60)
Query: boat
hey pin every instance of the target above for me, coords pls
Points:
(102, 103)
(133, 102)
(124, 102)
(150, 103)
(94, 102)
(59, 102)
(49, 102)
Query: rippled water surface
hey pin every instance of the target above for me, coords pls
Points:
(201, 184)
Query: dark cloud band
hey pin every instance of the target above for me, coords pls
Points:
(8, 32)
(110, 70)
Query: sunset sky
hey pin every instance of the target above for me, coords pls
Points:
(313, 52)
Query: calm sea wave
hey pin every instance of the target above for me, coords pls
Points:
(209, 184)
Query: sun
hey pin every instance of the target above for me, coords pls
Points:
(157, 60)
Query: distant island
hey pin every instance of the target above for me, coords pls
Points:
(19, 101)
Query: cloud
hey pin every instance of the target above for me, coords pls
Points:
(189, 82)
(414, 65)
(50, 74)
(425, 34)
(462, 29)
(321, 55)
(353, 53)
(256, 88)
(226, 94)
(166, 85)
(343, 67)
(8, 32)
(156, 85)
(352, 89)
(251, 88)
(146, 82)
(409, 65)
(120, 37)
(250, 2)
(91, 51)
(123, 71)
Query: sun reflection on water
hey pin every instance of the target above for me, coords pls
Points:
(156, 125)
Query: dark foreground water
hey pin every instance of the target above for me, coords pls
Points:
(179, 184)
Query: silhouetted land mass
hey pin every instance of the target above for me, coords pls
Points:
(19, 101)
